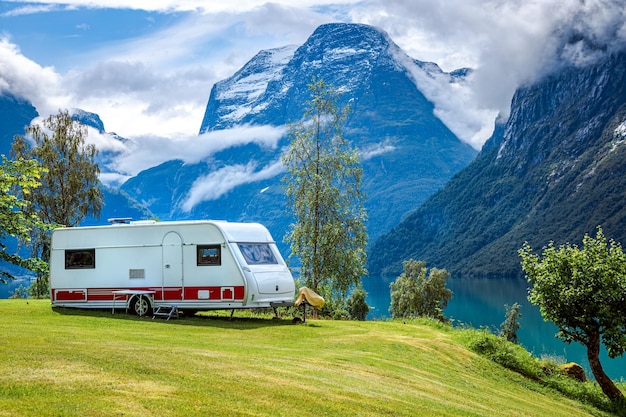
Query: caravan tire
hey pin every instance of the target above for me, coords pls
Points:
(141, 306)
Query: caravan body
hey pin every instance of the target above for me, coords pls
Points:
(193, 265)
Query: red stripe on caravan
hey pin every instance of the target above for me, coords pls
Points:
(213, 293)
(70, 295)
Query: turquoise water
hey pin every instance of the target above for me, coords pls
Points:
(480, 303)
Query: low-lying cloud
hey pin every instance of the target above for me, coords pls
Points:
(139, 153)
(217, 183)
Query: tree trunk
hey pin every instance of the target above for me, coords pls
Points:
(606, 383)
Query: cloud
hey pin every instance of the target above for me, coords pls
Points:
(217, 183)
(154, 87)
(377, 149)
(143, 152)
(507, 43)
(31, 9)
(26, 79)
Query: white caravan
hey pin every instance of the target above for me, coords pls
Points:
(190, 265)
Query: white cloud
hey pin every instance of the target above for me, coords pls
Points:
(217, 183)
(26, 79)
(154, 88)
(377, 149)
(204, 6)
(143, 152)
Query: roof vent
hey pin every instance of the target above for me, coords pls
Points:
(119, 220)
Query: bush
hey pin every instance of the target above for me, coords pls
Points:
(356, 305)
(505, 353)
(418, 292)
(510, 326)
(20, 292)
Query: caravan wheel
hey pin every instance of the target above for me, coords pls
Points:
(141, 305)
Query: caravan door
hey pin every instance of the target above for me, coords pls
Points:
(172, 267)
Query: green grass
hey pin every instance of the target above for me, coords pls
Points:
(67, 362)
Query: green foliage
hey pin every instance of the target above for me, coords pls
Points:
(323, 186)
(334, 309)
(583, 291)
(356, 305)
(545, 370)
(505, 353)
(18, 179)
(418, 292)
(69, 189)
(510, 325)
(20, 292)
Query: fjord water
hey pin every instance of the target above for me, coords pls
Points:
(480, 303)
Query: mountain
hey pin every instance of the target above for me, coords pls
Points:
(552, 172)
(407, 152)
(88, 119)
(15, 115)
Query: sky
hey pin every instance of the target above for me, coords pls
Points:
(147, 66)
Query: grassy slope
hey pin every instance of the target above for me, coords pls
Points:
(72, 363)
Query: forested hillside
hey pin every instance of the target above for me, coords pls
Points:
(554, 171)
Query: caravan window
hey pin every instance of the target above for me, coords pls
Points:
(209, 255)
(257, 253)
(80, 258)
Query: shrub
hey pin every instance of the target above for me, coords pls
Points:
(419, 292)
(356, 305)
(510, 325)
(505, 353)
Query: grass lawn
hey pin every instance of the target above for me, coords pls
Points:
(66, 362)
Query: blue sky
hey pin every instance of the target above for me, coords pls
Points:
(147, 66)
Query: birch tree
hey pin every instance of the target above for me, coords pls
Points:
(69, 189)
(323, 186)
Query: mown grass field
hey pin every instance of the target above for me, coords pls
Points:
(65, 362)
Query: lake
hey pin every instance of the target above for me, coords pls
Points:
(480, 303)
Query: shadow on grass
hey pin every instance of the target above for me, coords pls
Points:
(247, 319)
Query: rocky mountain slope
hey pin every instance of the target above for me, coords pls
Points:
(15, 115)
(407, 152)
(553, 172)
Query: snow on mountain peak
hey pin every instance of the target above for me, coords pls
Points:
(240, 93)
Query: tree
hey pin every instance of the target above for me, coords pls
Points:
(69, 189)
(583, 291)
(323, 187)
(17, 181)
(510, 325)
(357, 304)
(419, 292)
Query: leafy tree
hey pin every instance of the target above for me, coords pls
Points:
(419, 292)
(583, 291)
(356, 304)
(18, 179)
(323, 186)
(510, 325)
(69, 189)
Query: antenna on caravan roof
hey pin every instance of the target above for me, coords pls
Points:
(119, 220)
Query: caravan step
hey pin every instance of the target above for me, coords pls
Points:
(169, 311)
